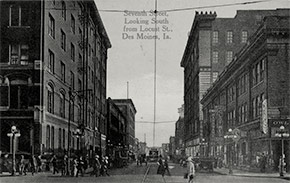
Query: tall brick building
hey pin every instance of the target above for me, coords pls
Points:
(211, 46)
(53, 75)
(251, 96)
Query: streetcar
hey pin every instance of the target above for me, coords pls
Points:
(153, 155)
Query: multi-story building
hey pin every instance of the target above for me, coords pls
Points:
(251, 97)
(129, 110)
(116, 134)
(211, 45)
(179, 133)
(53, 75)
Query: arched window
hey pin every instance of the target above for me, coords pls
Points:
(50, 98)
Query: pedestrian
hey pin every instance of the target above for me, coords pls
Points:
(263, 162)
(38, 167)
(96, 166)
(80, 167)
(161, 169)
(63, 165)
(33, 164)
(75, 167)
(190, 170)
(106, 165)
(54, 164)
(166, 167)
(22, 166)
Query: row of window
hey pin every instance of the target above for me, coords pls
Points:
(50, 138)
(257, 105)
(229, 37)
(243, 113)
(229, 57)
(51, 32)
(51, 67)
(258, 72)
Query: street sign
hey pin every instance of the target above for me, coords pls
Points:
(9, 134)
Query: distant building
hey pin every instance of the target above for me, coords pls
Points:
(179, 133)
(129, 110)
(116, 134)
(211, 46)
(251, 97)
(172, 147)
(53, 76)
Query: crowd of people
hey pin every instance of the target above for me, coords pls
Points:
(77, 166)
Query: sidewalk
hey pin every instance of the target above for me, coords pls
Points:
(241, 173)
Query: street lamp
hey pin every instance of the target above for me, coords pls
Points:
(230, 135)
(203, 143)
(78, 133)
(14, 133)
(282, 133)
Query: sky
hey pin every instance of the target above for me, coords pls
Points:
(132, 60)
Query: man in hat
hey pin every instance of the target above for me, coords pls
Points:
(191, 169)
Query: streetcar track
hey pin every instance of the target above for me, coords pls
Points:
(146, 175)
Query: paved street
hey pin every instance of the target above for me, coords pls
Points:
(134, 174)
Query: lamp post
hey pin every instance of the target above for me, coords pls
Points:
(14, 133)
(203, 143)
(230, 135)
(282, 133)
(78, 133)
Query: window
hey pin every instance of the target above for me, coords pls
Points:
(229, 56)
(230, 37)
(51, 26)
(63, 10)
(262, 69)
(59, 138)
(254, 108)
(73, 24)
(18, 94)
(50, 61)
(80, 60)
(215, 37)
(63, 138)
(62, 70)
(72, 80)
(18, 16)
(244, 36)
(80, 85)
(48, 137)
(72, 52)
(50, 98)
(52, 137)
(63, 40)
(62, 105)
(72, 110)
(19, 54)
(215, 57)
